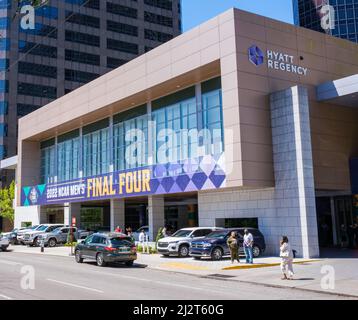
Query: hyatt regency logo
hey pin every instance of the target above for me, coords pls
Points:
(275, 60)
(256, 56)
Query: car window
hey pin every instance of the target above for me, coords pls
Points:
(65, 230)
(120, 241)
(200, 233)
(89, 240)
(50, 229)
(206, 232)
(96, 239)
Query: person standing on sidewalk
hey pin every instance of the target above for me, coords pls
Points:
(233, 244)
(248, 244)
(286, 255)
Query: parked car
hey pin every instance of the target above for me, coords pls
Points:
(32, 238)
(178, 244)
(60, 236)
(12, 235)
(4, 243)
(215, 247)
(105, 248)
(20, 234)
(138, 231)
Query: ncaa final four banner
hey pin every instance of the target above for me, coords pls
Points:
(192, 175)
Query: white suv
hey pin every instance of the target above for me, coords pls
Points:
(178, 244)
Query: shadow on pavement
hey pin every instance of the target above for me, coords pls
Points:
(118, 265)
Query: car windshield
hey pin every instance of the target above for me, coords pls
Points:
(57, 230)
(217, 234)
(182, 233)
(120, 242)
(42, 228)
(36, 227)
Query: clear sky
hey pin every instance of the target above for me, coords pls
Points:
(196, 12)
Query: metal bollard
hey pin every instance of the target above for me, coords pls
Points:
(42, 244)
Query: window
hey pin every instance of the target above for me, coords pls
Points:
(4, 86)
(122, 10)
(122, 28)
(48, 161)
(3, 129)
(158, 19)
(47, 12)
(114, 62)
(4, 22)
(37, 69)
(4, 64)
(212, 114)
(25, 109)
(163, 4)
(157, 36)
(36, 90)
(79, 76)
(95, 148)
(83, 38)
(122, 46)
(176, 112)
(41, 30)
(82, 19)
(68, 156)
(82, 57)
(4, 107)
(93, 4)
(37, 49)
(134, 124)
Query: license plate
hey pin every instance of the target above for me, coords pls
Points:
(124, 249)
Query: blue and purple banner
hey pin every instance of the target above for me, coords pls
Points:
(191, 175)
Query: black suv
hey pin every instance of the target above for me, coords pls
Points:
(106, 248)
(215, 247)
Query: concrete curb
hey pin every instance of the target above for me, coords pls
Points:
(264, 265)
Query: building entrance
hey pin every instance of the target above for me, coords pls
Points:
(337, 223)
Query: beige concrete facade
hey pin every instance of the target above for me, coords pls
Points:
(219, 47)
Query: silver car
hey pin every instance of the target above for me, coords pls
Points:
(32, 238)
(60, 236)
(178, 244)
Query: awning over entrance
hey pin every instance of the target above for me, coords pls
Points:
(343, 91)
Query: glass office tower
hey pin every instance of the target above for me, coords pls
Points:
(73, 42)
(307, 13)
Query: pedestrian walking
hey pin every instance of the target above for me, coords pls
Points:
(233, 244)
(143, 241)
(286, 255)
(248, 244)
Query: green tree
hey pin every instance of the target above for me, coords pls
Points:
(7, 195)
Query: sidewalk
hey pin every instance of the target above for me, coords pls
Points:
(267, 272)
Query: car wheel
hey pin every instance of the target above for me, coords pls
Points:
(100, 260)
(52, 243)
(129, 263)
(183, 251)
(36, 242)
(216, 254)
(256, 251)
(78, 257)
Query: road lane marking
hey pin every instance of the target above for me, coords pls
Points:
(74, 285)
(5, 297)
(11, 263)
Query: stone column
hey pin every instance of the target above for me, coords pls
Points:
(155, 215)
(117, 213)
(293, 166)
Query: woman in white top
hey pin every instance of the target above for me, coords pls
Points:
(286, 255)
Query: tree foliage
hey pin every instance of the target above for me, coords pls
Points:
(7, 195)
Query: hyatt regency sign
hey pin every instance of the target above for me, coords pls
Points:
(276, 60)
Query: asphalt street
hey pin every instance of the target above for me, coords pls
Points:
(62, 278)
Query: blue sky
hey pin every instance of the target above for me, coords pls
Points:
(196, 12)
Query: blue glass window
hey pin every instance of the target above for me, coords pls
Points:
(4, 44)
(4, 22)
(4, 107)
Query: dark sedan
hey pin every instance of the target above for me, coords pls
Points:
(107, 248)
(215, 247)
